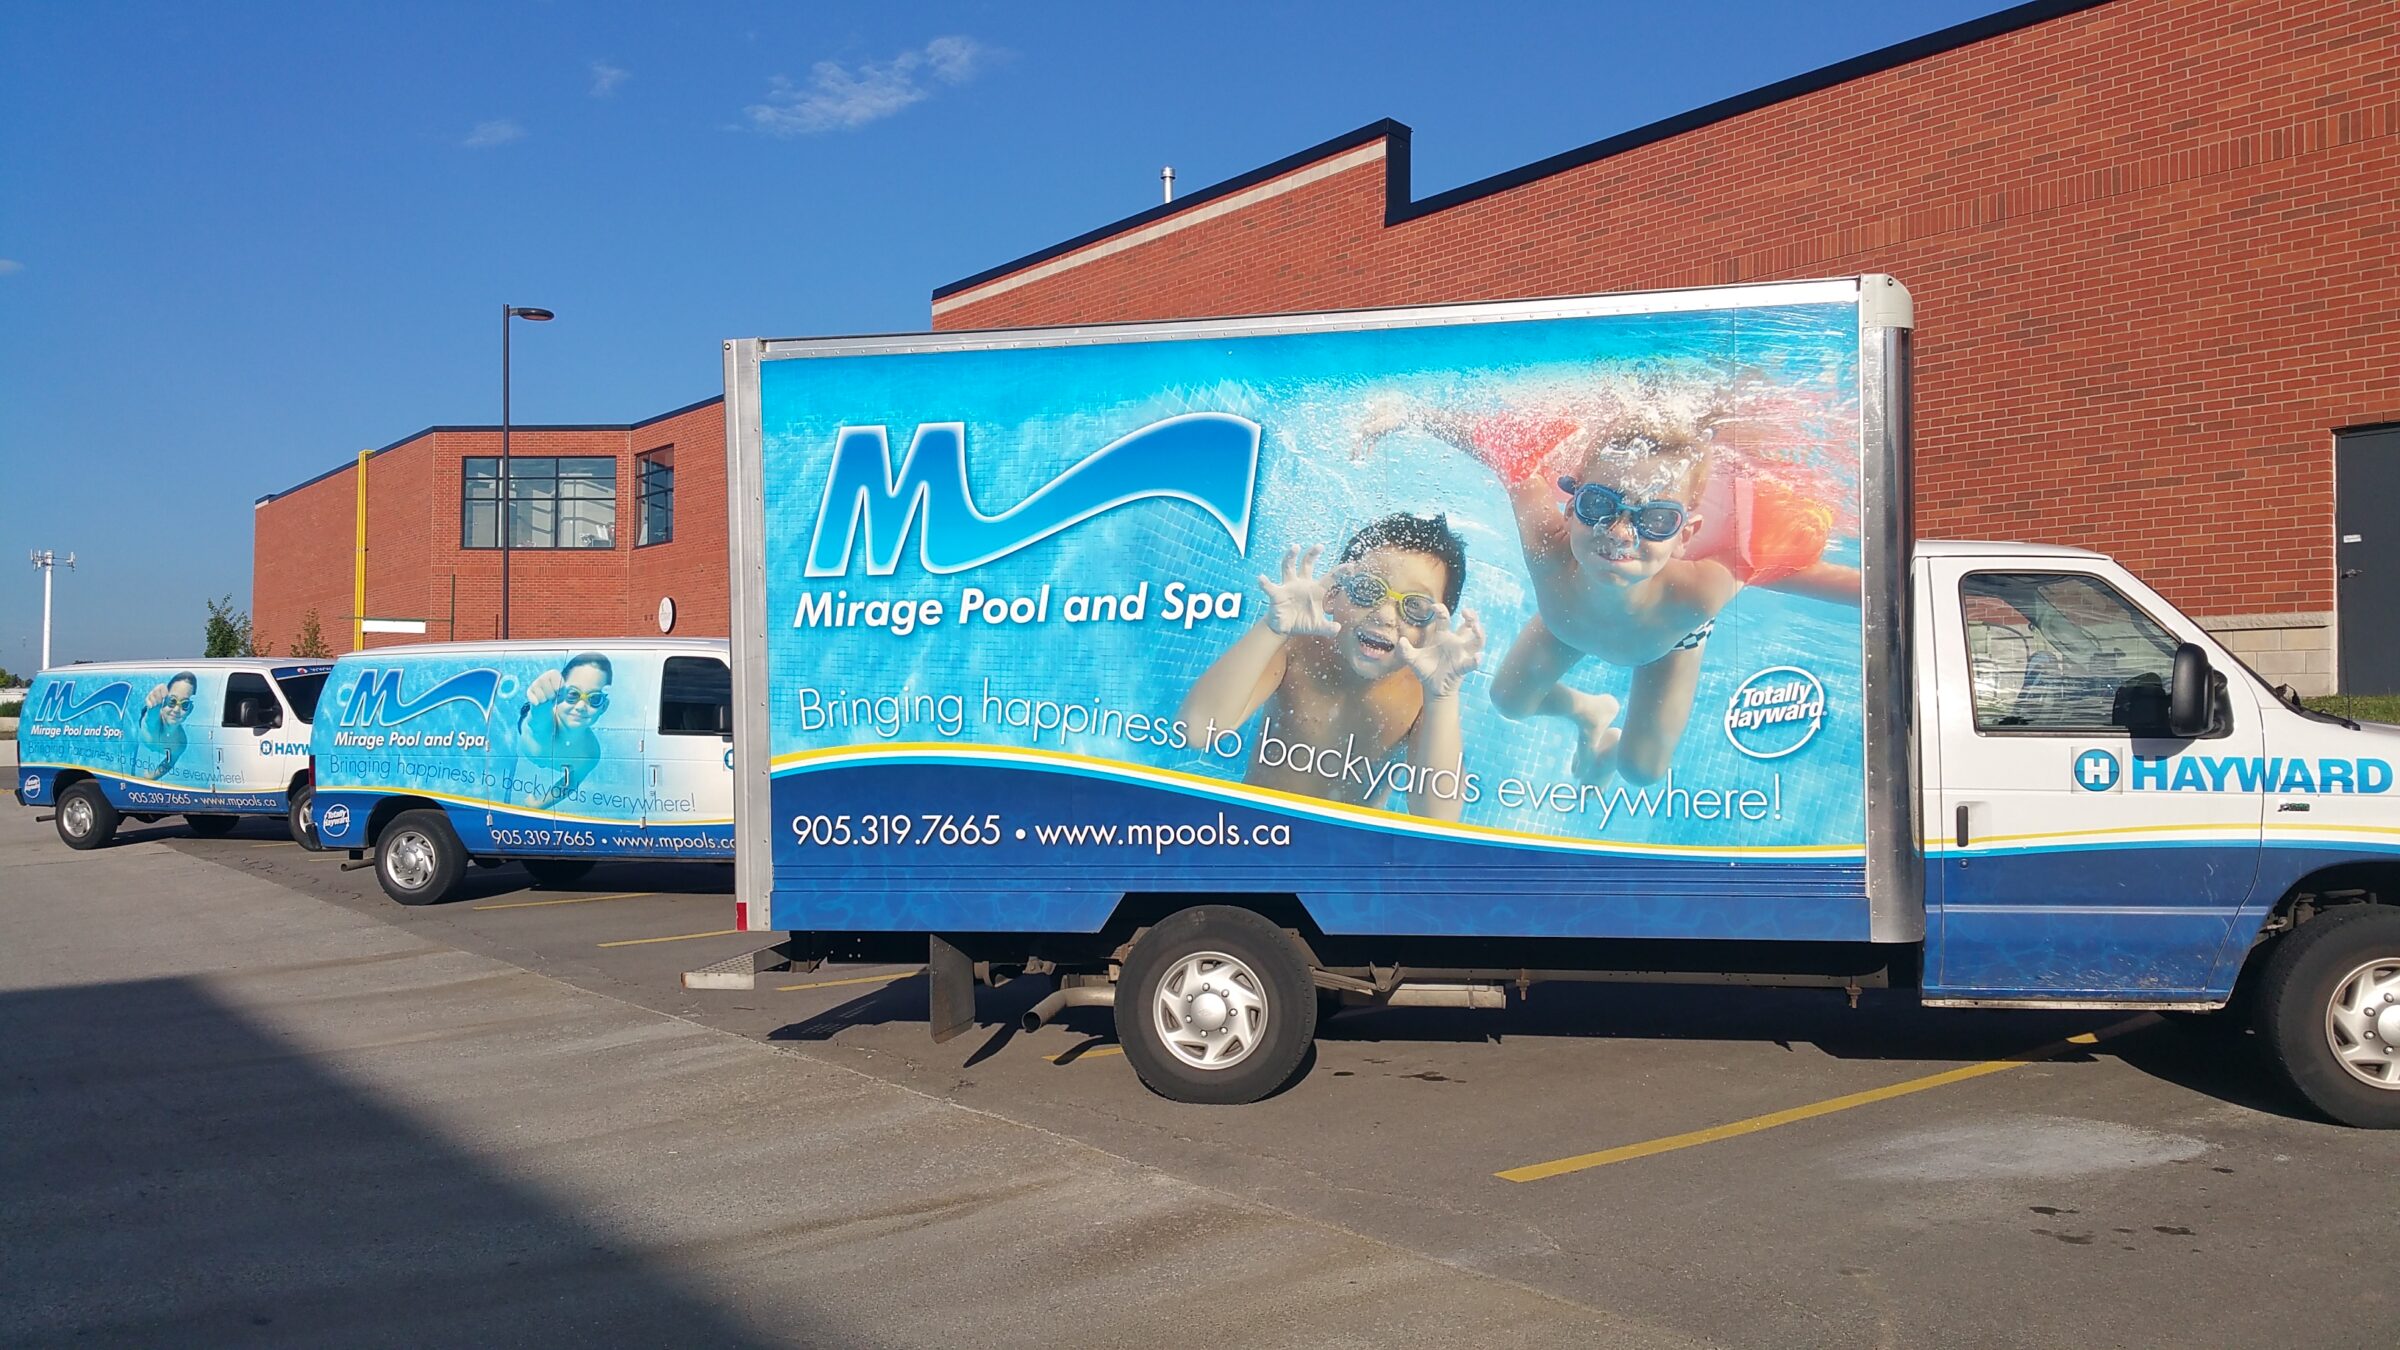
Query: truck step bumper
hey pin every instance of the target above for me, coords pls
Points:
(742, 972)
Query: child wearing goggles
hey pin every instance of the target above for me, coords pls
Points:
(556, 750)
(156, 738)
(1623, 566)
(1358, 670)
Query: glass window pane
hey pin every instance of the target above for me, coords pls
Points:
(695, 696)
(587, 524)
(2053, 651)
(477, 525)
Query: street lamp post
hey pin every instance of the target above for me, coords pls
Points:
(48, 561)
(506, 505)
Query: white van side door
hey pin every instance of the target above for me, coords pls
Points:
(691, 757)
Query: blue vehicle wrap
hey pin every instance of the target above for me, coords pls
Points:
(154, 737)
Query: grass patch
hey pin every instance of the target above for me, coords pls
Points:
(2364, 708)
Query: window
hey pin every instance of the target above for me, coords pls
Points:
(301, 692)
(695, 697)
(249, 703)
(554, 502)
(656, 481)
(2059, 651)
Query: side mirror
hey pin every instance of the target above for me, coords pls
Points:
(724, 719)
(2192, 695)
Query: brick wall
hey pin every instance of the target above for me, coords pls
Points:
(303, 541)
(2151, 244)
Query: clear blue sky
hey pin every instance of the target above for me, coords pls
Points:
(240, 243)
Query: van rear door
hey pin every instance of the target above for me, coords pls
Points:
(2078, 851)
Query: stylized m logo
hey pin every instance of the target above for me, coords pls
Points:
(59, 704)
(375, 701)
(1207, 459)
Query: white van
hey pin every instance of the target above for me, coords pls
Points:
(209, 740)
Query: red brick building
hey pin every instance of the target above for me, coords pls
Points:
(2152, 244)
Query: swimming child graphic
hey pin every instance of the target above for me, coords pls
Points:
(1361, 664)
(1636, 538)
(154, 734)
(555, 750)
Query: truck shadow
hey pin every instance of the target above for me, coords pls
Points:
(184, 1176)
(2216, 1063)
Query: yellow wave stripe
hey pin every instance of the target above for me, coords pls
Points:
(486, 804)
(1312, 806)
(153, 782)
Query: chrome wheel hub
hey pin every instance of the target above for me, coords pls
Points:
(1211, 1011)
(408, 860)
(2362, 1022)
(77, 817)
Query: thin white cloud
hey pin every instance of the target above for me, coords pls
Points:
(845, 98)
(10, 265)
(606, 78)
(499, 131)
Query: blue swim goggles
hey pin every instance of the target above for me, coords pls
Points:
(1601, 507)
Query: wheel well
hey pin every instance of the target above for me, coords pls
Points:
(299, 781)
(1140, 909)
(389, 807)
(65, 779)
(2370, 882)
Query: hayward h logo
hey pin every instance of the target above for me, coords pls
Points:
(2096, 771)
(1207, 459)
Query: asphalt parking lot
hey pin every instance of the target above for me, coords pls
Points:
(1736, 1167)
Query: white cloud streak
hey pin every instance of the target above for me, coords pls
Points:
(499, 131)
(845, 98)
(9, 266)
(606, 78)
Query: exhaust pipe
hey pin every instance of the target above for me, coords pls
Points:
(1059, 1000)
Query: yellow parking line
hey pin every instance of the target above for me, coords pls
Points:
(1734, 1130)
(1077, 1056)
(855, 979)
(677, 937)
(570, 900)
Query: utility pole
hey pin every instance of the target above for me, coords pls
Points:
(48, 562)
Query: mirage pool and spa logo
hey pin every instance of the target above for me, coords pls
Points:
(375, 703)
(59, 703)
(1775, 712)
(2101, 771)
(1207, 459)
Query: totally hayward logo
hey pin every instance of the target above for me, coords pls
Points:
(1207, 459)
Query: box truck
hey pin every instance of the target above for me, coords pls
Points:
(1215, 670)
(552, 754)
(209, 740)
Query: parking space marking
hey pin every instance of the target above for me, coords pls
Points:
(1735, 1129)
(570, 900)
(672, 937)
(1077, 1056)
(855, 979)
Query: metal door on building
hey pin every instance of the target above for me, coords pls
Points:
(2366, 518)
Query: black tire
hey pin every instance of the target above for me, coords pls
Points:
(2311, 967)
(85, 819)
(418, 858)
(1276, 983)
(212, 826)
(554, 873)
(303, 818)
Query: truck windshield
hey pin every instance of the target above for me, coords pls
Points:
(301, 692)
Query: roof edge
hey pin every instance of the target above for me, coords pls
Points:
(442, 427)
(1398, 207)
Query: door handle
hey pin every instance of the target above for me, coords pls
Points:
(1963, 809)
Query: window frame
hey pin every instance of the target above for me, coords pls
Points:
(665, 668)
(660, 458)
(544, 471)
(2108, 729)
(234, 694)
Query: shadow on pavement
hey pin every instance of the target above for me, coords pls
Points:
(175, 1174)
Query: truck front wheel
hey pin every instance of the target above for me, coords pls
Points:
(1215, 1006)
(2329, 1009)
(303, 818)
(418, 858)
(85, 818)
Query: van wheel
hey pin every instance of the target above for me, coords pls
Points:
(212, 827)
(85, 819)
(2329, 1010)
(1215, 1006)
(419, 859)
(303, 819)
(556, 872)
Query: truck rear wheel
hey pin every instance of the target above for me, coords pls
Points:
(1215, 1006)
(2329, 1010)
(303, 818)
(418, 858)
(212, 826)
(85, 818)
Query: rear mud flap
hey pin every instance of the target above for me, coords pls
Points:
(949, 989)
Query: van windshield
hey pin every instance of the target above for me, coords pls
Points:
(301, 692)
